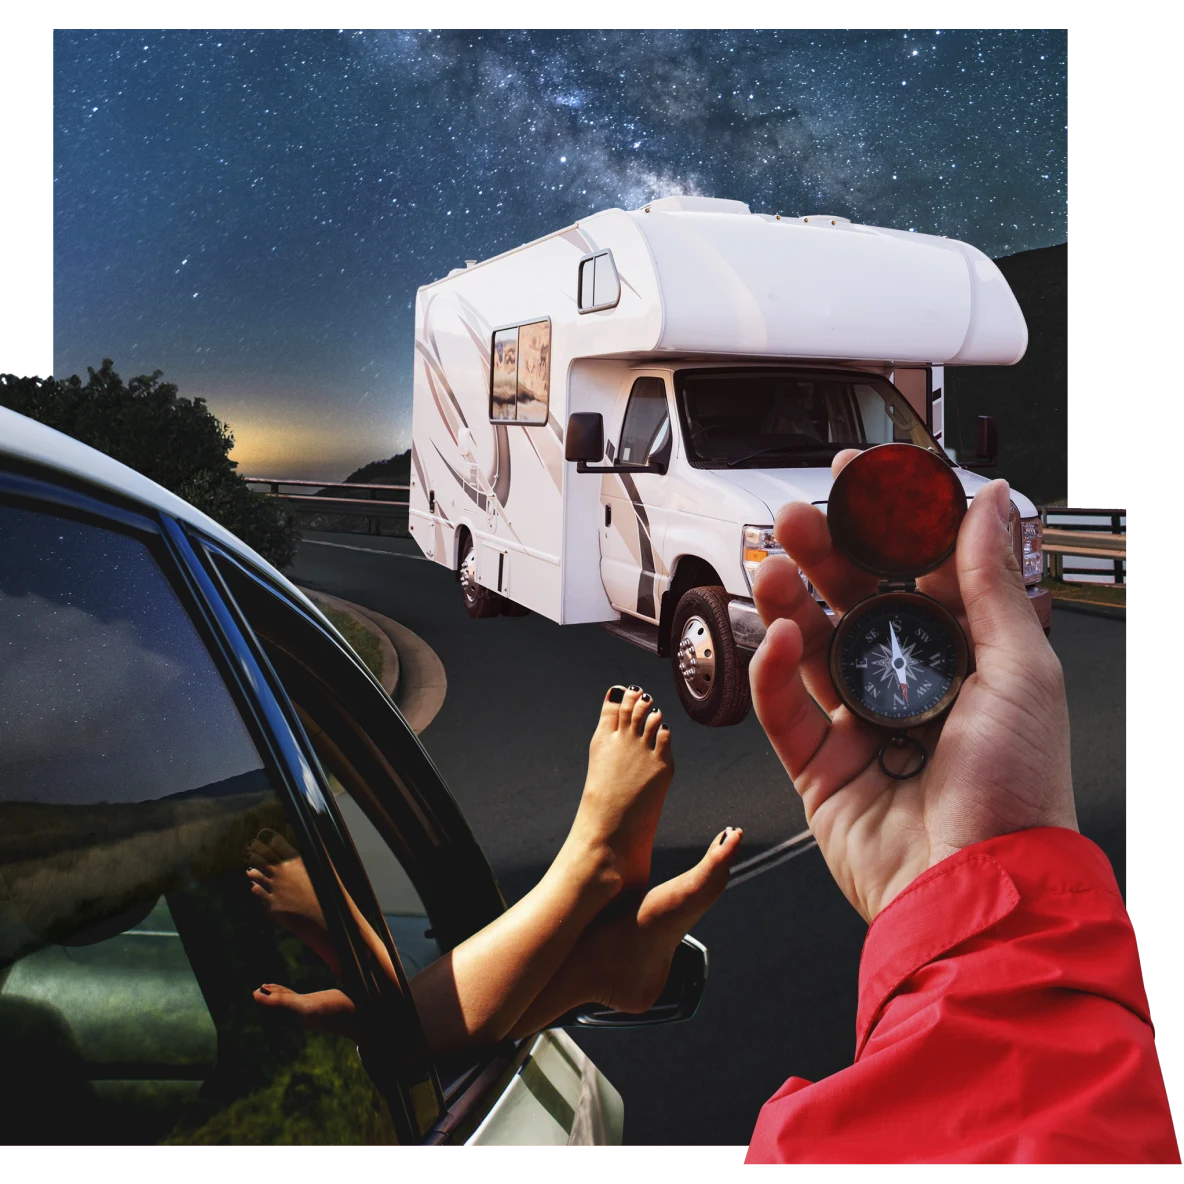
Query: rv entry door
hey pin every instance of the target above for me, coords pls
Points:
(633, 517)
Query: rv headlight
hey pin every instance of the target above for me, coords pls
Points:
(1033, 549)
(758, 545)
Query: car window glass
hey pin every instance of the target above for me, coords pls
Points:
(132, 799)
(646, 425)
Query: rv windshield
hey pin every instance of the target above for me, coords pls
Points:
(774, 419)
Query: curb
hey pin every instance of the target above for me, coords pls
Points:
(420, 683)
(390, 656)
(1112, 612)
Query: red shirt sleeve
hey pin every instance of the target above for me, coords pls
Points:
(1002, 1018)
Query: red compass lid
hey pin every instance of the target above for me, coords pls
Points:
(895, 509)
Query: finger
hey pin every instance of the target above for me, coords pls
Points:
(795, 724)
(1000, 615)
(802, 530)
(780, 594)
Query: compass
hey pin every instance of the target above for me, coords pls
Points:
(898, 657)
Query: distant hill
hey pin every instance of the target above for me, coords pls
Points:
(395, 470)
(1029, 400)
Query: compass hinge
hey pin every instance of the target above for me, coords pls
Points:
(896, 586)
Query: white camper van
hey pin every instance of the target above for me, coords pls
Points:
(607, 419)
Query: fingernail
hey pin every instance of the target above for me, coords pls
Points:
(633, 688)
(616, 694)
(646, 697)
(1003, 501)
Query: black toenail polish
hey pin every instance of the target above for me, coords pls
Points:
(722, 837)
(664, 728)
(652, 710)
(264, 991)
(646, 697)
(632, 688)
(616, 694)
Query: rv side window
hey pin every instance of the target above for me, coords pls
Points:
(647, 422)
(520, 374)
(504, 389)
(599, 284)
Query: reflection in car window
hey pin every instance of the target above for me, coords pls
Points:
(131, 943)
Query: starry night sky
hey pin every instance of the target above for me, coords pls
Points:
(251, 212)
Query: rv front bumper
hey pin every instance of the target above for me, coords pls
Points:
(748, 630)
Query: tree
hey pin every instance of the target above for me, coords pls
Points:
(177, 442)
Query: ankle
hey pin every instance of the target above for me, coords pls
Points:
(593, 868)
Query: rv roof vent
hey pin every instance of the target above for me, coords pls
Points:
(826, 220)
(470, 262)
(699, 205)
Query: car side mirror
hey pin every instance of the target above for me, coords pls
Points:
(584, 442)
(678, 1001)
(585, 436)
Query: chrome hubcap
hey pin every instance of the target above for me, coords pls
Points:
(468, 573)
(696, 657)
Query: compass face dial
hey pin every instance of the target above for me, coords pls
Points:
(898, 659)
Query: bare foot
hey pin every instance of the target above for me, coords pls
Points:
(629, 770)
(279, 879)
(319, 1011)
(633, 953)
(622, 960)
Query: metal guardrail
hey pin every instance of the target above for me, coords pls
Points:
(372, 508)
(1098, 535)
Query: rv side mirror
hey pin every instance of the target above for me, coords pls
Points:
(585, 436)
(986, 439)
(679, 999)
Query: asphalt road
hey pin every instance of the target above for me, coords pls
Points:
(511, 741)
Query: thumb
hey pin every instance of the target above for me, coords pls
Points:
(998, 611)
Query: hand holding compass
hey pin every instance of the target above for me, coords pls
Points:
(998, 757)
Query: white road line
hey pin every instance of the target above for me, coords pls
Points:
(800, 837)
(773, 857)
(768, 867)
(368, 550)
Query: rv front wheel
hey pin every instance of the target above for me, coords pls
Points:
(479, 601)
(710, 673)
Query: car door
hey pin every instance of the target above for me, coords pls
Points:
(429, 874)
(143, 756)
(633, 513)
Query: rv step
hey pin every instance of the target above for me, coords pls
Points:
(636, 632)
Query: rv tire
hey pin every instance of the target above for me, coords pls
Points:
(710, 673)
(479, 601)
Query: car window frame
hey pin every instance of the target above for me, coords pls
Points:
(457, 884)
(405, 1077)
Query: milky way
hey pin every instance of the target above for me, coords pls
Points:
(251, 212)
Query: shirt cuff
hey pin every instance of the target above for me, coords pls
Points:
(968, 895)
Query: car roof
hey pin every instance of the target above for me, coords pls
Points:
(29, 440)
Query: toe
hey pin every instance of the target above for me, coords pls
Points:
(653, 722)
(645, 701)
(628, 702)
(610, 709)
(662, 743)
